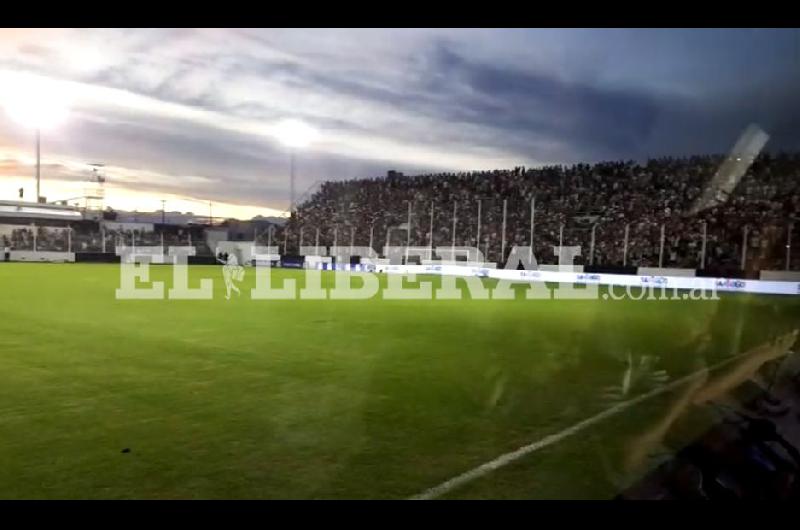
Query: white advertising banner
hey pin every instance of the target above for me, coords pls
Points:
(621, 280)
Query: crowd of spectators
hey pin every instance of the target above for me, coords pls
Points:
(571, 202)
(35, 238)
(88, 237)
(615, 211)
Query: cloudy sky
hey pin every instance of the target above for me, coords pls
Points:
(193, 115)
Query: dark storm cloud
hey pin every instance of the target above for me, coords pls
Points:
(534, 114)
(594, 122)
(526, 107)
(539, 116)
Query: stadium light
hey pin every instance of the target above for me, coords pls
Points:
(36, 103)
(294, 134)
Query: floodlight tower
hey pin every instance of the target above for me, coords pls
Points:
(294, 134)
(37, 104)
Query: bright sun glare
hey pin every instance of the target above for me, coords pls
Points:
(33, 101)
(295, 133)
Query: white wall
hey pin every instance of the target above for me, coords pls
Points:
(42, 256)
(556, 268)
(655, 271)
(156, 254)
(242, 249)
(454, 263)
(312, 262)
(622, 280)
(139, 227)
(781, 276)
(214, 237)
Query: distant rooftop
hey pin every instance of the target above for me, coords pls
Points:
(21, 209)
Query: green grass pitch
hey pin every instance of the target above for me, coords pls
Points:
(337, 399)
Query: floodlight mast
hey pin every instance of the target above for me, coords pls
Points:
(291, 182)
(294, 134)
(36, 104)
(38, 165)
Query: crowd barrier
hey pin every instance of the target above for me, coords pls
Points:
(155, 258)
(726, 272)
(355, 267)
(202, 260)
(609, 269)
(96, 257)
(292, 261)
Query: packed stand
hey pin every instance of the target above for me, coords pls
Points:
(570, 203)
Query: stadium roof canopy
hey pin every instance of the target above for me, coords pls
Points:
(35, 211)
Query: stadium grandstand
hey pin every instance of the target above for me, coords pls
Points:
(622, 214)
(615, 211)
(57, 232)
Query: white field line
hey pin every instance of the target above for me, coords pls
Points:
(508, 458)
